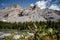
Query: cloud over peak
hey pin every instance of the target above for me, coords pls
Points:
(43, 4)
(32, 4)
(54, 7)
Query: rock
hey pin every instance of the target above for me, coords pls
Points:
(6, 34)
(1, 36)
(16, 36)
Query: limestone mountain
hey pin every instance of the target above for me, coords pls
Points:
(31, 13)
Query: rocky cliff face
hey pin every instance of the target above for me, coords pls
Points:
(32, 13)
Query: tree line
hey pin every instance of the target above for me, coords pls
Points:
(22, 26)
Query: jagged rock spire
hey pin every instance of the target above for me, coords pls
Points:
(16, 6)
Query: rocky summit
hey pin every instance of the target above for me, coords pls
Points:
(31, 13)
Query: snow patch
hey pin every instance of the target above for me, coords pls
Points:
(4, 20)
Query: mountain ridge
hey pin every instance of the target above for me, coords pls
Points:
(31, 13)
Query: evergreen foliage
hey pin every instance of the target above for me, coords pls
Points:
(40, 29)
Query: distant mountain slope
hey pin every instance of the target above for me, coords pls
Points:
(31, 13)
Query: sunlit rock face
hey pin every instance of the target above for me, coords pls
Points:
(31, 13)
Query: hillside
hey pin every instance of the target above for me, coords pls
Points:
(31, 13)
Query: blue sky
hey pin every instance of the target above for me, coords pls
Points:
(24, 3)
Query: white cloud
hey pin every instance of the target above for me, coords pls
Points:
(41, 4)
(54, 7)
(32, 4)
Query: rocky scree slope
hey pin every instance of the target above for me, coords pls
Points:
(31, 13)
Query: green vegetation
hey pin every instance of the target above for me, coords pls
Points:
(42, 30)
(32, 25)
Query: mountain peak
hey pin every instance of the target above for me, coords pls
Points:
(16, 6)
(31, 13)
